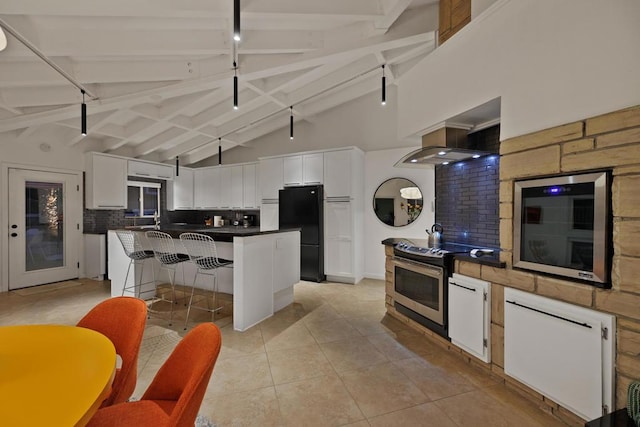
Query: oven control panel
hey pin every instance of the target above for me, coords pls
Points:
(419, 250)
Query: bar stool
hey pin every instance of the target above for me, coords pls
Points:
(202, 252)
(138, 254)
(169, 258)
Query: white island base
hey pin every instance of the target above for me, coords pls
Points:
(265, 268)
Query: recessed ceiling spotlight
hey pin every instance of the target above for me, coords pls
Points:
(442, 153)
(475, 156)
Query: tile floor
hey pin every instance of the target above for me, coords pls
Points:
(333, 358)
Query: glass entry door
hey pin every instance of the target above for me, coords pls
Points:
(44, 232)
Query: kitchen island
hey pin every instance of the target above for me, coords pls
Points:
(266, 265)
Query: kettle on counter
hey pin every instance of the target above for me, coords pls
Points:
(435, 236)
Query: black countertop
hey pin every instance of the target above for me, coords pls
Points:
(221, 234)
(463, 251)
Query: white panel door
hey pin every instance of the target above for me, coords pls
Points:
(271, 178)
(249, 195)
(312, 168)
(292, 170)
(45, 211)
(269, 219)
(225, 187)
(237, 190)
(337, 174)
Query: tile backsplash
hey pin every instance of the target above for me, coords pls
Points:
(467, 202)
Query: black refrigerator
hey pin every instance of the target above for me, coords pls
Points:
(302, 207)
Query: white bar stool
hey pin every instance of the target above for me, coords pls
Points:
(138, 254)
(203, 254)
(165, 252)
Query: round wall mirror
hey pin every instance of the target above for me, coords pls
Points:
(397, 202)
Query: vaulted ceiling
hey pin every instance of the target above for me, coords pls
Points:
(159, 72)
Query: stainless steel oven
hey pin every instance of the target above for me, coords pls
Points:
(419, 287)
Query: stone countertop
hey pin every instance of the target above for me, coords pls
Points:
(492, 260)
(221, 234)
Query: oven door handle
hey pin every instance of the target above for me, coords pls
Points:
(463, 287)
(435, 270)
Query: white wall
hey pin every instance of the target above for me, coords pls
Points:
(379, 168)
(552, 62)
(362, 122)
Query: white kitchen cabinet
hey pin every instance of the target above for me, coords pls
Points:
(206, 188)
(237, 187)
(470, 315)
(249, 185)
(150, 169)
(106, 181)
(305, 169)
(271, 177)
(338, 241)
(180, 190)
(224, 187)
(312, 169)
(269, 220)
(342, 172)
(95, 256)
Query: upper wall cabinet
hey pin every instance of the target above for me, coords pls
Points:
(271, 177)
(306, 169)
(343, 170)
(106, 181)
(249, 187)
(206, 186)
(150, 170)
(180, 190)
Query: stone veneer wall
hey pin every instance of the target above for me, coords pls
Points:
(610, 141)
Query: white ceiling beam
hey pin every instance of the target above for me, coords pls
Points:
(185, 147)
(173, 135)
(396, 9)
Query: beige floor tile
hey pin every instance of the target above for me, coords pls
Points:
(381, 389)
(322, 401)
(426, 414)
(240, 374)
(390, 347)
(519, 404)
(354, 308)
(352, 354)
(286, 336)
(435, 382)
(323, 313)
(299, 363)
(238, 344)
(369, 324)
(363, 423)
(332, 330)
(477, 408)
(247, 408)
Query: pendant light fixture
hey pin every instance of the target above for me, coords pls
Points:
(235, 86)
(220, 150)
(177, 165)
(384, 87)
(291, 123)
(236, 20)
(83, 116)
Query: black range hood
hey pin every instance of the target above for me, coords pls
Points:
(447, 144)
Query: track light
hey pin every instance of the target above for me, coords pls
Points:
(236, 20)
(384, 87)
(235, 86)
(291, 123)
(219, 151)
(83, 116)
(177, 165)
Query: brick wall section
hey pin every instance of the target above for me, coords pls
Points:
(467, 194)
(608, 141)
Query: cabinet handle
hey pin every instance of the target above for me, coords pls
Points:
(141, 174)
(163, 176)
(584, 324)
(313, 182)
(463, 287)
(111, 206)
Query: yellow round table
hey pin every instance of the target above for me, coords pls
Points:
(53, 375)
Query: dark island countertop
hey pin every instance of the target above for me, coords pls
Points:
(464, 250)
(221, 234)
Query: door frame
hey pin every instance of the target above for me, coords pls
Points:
(4, 215)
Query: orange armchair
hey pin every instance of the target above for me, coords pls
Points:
(122, 320)
(176, 392)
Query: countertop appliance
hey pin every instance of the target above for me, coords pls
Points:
(303, 207)
(248, 220)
